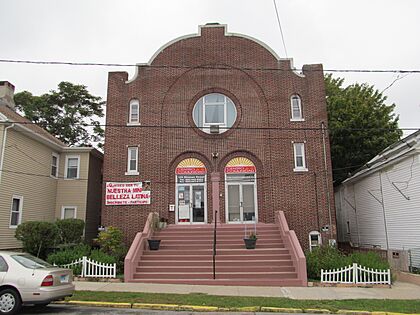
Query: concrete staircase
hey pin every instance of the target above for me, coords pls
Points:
(186, 257)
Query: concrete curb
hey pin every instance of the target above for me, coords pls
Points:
(198, 308)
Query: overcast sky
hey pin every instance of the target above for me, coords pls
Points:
(355, 34)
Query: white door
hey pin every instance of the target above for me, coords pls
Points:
(241, 203)
(191, 204)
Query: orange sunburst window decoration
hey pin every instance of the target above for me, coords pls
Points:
(190, 166)
(240, 165)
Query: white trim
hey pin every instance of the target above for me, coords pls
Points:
(130, 121)
(300, 118)
(299, 168)
(310, 240)
(68, 207)
(191, 195)
(3, 117)
(66, 166)
(20, 211)
(241, 214)
(136, 171)
(57, 166)
(226, 33)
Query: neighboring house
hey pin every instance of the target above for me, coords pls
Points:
(41, 178)
(379, 206)
(218, 122)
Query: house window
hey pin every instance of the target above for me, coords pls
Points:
(72, 167)
(299, 151)
(134, 116)
(16, 211)
(132, 161)
(296, 104)
(3, 265)
(68, 212)
(214, 111)
(54, 165)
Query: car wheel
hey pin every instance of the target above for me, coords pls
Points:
(9, 302)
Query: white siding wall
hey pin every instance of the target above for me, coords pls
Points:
(402, 215)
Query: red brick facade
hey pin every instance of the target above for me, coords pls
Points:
(260, 85)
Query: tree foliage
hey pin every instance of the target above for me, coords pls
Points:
(70, 113)
(361, 125)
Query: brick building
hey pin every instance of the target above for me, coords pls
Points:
(218, 122)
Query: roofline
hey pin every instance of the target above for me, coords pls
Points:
(198, 34)
(38, 137)
(375, 164)
(92, 150)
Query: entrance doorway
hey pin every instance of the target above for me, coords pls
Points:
(241, 198)
(191, 193)
(191, 203)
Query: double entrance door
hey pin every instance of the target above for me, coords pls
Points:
(241, 199)
(191, 201)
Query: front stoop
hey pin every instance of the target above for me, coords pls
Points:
(186, 257)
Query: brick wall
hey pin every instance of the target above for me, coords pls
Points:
(221, 63)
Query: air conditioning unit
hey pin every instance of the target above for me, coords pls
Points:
(214, 129)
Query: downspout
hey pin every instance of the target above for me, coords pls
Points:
(326, 178)
(3, 148)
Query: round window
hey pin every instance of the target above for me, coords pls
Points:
(214, 113)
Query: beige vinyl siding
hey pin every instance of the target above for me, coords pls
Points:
(94, 197)
(73, 192)
(27, 166)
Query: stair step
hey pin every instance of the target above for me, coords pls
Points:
(220, 252)
(227, 282)
(219, 258)
(220, 275)
(209, 246)
(209, 263)
(209, 269)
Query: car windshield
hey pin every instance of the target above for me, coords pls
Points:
(30, 261)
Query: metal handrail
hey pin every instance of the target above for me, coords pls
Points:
(214, 245)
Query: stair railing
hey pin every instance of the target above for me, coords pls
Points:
(214, 245)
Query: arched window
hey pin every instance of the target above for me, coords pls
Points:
(134, 115)
(296, 105)
(214, 113)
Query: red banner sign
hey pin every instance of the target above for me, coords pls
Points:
(190, 170)
(137, 193)
(240, 169)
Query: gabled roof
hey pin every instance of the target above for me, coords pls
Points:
(391, 154)
(12, 116)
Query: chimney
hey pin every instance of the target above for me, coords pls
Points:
(7, 91)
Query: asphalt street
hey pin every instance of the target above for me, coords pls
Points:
(76, 310)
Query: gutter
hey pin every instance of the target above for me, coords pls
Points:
(3, 148)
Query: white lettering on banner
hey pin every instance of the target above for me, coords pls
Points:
(137, 193)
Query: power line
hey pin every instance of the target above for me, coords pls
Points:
(217, 67)
(225, 128)
(281, 30)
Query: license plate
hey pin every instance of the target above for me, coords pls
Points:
(64, 279)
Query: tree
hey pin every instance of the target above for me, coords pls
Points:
(71, 113)
(361, 125)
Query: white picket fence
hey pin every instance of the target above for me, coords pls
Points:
(356, 274)
(93, 269)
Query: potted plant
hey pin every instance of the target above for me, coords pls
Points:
(153, 244)
(162, 223)
(250, 241)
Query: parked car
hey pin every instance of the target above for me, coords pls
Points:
(25, 279)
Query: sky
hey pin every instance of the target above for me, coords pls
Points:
(355, 34)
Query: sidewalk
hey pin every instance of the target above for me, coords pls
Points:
(399, 290)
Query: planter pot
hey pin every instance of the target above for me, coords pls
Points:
(154, 244)
(250, 243)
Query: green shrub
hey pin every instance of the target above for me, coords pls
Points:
(110, 241)
(327, 258)
(37, 237)
(100, 256)
(69, 255)
(370, 260)
(71, 230)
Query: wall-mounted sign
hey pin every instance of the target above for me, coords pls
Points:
(190, 166)
(120, 194)
(240, 165)
(190, 179)
(171, 208)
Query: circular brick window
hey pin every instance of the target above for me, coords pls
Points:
(214, 113)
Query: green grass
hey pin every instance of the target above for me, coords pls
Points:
(402, 306)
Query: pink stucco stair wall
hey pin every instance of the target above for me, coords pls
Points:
(186, 253)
